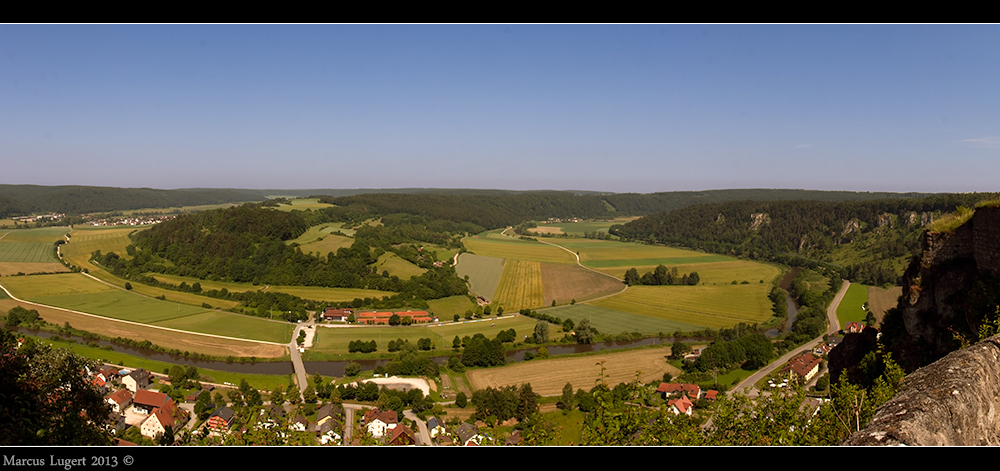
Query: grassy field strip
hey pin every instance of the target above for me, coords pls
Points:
(611, 321)
(4, 288)
(484, 273)
(850, 307)
(548, 377)
(655, 261)
(88, 295)
(520, 285)
(168, 339)
(44, 235)
(36, 252)
(397, 266)
(317, 293)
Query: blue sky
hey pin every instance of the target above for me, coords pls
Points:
(620, 108)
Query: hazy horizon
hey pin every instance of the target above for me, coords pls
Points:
(605, 108)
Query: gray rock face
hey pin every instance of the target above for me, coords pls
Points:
(953, 401)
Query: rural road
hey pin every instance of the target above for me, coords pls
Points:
(747, 385)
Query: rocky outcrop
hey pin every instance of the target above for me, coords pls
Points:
(933, 309)
(953, 401)
(955, 398)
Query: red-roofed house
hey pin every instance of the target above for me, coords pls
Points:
(378, 422)
(805, 366)
(672, 389)
(336, 314)
(119, 400)
(681, 406)
(854, 327)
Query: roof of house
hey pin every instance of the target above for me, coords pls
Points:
(673, 388)
(387, 416)
(144, 397)
(120, 396)
(803, 364)
(399, 432)
(683, 404)
(224, 413)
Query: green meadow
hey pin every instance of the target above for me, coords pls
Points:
(706, 306)
(397, 266)
(611, 321)
(850, 307)
(316, 293)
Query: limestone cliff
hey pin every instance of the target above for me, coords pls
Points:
(940, 303)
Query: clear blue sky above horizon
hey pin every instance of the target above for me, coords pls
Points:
(620, 108)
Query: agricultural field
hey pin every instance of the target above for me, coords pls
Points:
(495, 245)
(80, 293)
(520, 286)
(881, 300)
(30, 251)
(577, 228)
(850, 309)
(565, 283)
(706, 306)
(446, 308)
(397, 266)
(84, 240)
(484, 273)
(550, 376)
(303, 204)
(610, 321)
(164, 338)
(316, 293)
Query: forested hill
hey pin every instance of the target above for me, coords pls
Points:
(25, 199)
(812, 229)
(485, 207)
(493, 209)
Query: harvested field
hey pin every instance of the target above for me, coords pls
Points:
(706, 306)
(163, 338)
(547, 377)
(881, 300)
(564, 283)
(520, 286)
(484, 273)
(610, 321)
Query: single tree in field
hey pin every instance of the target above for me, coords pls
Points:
(541, 332)
(568, 400)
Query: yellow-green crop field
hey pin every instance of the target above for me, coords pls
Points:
(505, 247)
(76, 292)
(84, 240)
(712, 306)
(520, 286)
(610, 321)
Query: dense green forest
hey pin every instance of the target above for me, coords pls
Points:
(801, 232)
(247, 244)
